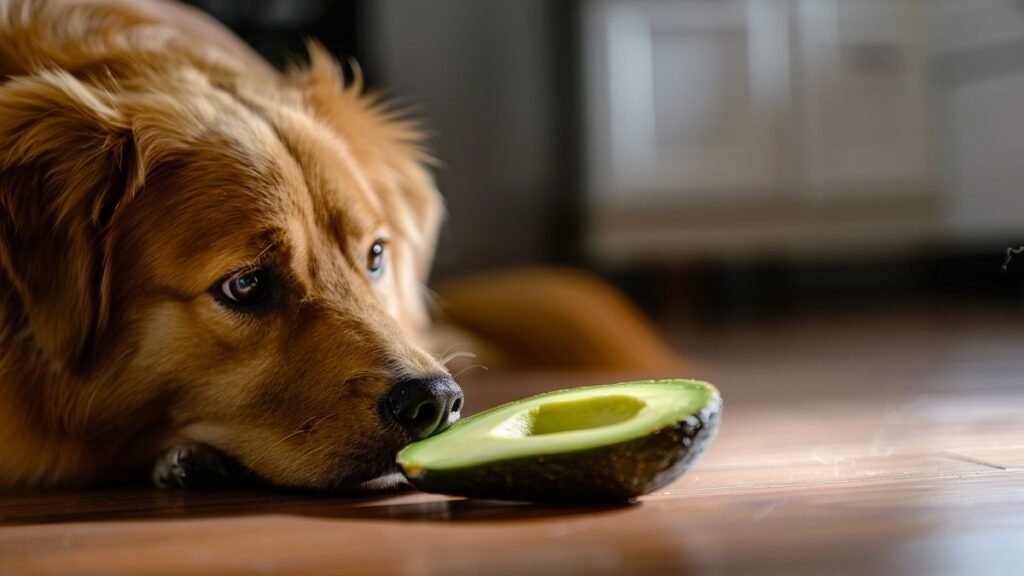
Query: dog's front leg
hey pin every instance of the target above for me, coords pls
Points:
(197, 466)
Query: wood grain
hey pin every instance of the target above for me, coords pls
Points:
(859, 446)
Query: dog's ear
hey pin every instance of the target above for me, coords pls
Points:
(390, 147)
(67, 161)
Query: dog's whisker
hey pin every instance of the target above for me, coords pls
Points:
(455, 355)
(314, 451)
(318, 422)
(467, 368)
(448, 350)
(302, 429)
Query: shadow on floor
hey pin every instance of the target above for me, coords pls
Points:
(153, 504)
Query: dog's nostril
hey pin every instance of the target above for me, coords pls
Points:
(422, 406)
(425, 413)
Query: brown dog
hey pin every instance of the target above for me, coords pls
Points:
(198, 250)
(215, 266)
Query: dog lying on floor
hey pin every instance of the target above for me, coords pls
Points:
(204, 262)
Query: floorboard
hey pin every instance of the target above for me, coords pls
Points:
(857, 445)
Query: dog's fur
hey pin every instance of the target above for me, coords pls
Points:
(146, 154)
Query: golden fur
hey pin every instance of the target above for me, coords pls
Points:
(145, 153)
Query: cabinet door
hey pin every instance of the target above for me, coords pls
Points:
(863, 97)
(688, 100)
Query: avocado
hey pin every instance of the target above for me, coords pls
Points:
(581, 445)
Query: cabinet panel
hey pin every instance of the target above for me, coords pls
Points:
(746, 126)
(691, 98)
(863, 97)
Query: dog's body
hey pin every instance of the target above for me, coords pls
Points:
(199, 249)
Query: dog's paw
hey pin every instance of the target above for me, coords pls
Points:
(196, 466)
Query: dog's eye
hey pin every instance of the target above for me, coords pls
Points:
(246, 288)
(376, 260)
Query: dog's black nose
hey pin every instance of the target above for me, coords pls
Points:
(424, 406)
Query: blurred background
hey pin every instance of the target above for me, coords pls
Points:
(716, 159)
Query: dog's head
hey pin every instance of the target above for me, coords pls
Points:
(237, 266)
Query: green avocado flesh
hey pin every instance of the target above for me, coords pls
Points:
(593, 444)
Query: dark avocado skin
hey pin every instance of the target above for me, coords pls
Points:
(613, 474)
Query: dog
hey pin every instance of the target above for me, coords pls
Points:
(211, 271)
(205, 262)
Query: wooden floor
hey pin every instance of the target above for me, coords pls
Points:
(866, 444)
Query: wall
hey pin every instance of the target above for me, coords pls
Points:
(980, 76)
(480, 76)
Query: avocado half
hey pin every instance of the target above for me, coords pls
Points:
(593, 444)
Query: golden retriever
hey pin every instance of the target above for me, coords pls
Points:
(200, 251)
(210, 271)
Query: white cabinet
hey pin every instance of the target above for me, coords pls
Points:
(756, 125)
(863, 97)
(691, 98)
(980, 58)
